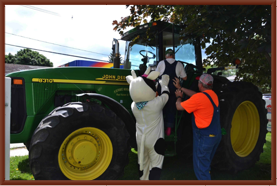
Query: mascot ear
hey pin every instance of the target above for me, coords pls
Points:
(129, 79)
(153, 75)
(147, 71)
(133, 74)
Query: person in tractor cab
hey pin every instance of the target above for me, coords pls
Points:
(174, 69)
(205, 122)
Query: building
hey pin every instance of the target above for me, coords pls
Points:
(9, 67)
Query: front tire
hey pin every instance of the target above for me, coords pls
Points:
(79, 141)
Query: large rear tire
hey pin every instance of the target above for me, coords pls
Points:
(79, 141)
(243, 116)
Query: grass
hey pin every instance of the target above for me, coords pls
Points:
(19, 168)
(174, 168)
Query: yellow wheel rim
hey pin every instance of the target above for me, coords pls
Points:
(85, 154)
(245, 129)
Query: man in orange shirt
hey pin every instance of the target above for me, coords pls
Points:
(205, 123)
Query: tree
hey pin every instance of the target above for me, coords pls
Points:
(10, 58)
(112, 56)
(232, 32)
(28, 57)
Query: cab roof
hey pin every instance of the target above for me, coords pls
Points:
(156, 26)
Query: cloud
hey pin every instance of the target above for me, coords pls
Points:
(86, 27)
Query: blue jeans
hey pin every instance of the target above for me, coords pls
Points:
(204, 148)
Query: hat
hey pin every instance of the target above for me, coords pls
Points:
(206, 79)
(169, 51)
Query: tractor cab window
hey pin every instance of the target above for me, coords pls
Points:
(140, 53)
(184, 51)
(148, 52)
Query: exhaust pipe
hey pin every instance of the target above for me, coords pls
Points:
(116, 60)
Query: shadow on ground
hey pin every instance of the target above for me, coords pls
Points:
(23, 167)
(180, 168)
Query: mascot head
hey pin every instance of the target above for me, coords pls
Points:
(142, 88)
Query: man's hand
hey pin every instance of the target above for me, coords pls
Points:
(179, 93)
(176, 83)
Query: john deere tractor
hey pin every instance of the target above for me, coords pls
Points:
(77, 122)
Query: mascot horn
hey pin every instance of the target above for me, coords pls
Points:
(148, 111)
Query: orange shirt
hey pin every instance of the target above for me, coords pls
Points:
(201, 107)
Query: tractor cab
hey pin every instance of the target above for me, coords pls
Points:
(146, 46)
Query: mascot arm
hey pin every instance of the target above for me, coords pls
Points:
(162, 100)
(164, 84)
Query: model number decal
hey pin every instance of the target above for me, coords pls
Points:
(45, 80)
(77, 81)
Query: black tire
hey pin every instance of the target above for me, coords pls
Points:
(243, 116)
(64, 122)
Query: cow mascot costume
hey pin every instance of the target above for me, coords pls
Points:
(148, 111)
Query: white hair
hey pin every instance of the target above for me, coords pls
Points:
(167, 55)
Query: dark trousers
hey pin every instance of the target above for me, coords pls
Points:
(169, 111)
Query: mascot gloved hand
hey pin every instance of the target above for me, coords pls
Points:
(148, 111)
(164, 81)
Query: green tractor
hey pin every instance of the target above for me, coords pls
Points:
(77, 122)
